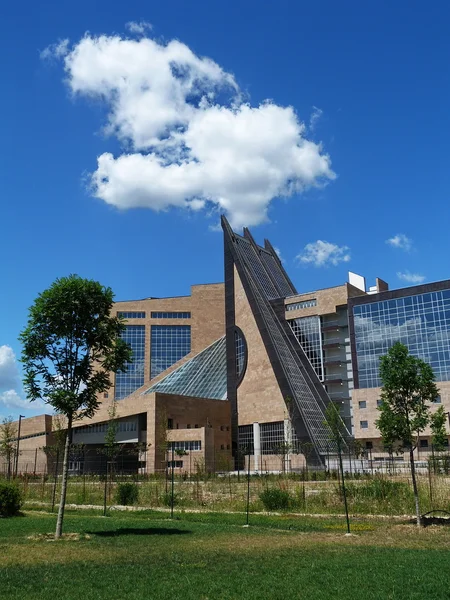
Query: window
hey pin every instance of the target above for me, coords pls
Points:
(222, 447)
(169, 344)
(186, 446)
(303, 304)
(222, 428)
(424, 443)
(228, 446)
(175, 464)
(437, 400)
(362, 404)
(379, 402)
(170, 315)
(308, 333)
(369, 445)
(421, 322)
(446, 442)
(241, 354)
(363, 424)
(188, 426)
(105, 395)
(228, 429)
(131, 315)
(133, 377)
(169, 423)
(196, 426)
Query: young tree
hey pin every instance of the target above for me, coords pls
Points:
(408, 388)
(70, 345)
(338, 438)
(437, 424)
(8, 443)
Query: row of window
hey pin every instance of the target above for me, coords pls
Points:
(154, 315)
(170, 425)
(186, 446)
(303, 304)
(363, 403)
(171, 315)
(422, 444)
(103, 427)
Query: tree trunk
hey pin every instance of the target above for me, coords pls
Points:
(65, 469)
(414, 482)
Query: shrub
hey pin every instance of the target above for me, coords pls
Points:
(127, 493)
(10, 499)
(167, 499)
(275, 499)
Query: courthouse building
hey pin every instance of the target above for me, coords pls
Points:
(251, 363)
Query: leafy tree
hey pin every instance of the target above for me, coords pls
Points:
(408, 388)
(8, 443)
(70, 345)
(437, 424)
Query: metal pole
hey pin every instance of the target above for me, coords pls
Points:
(106, 489)
(431, 487)
(248, 488)
(56, 480)
(173, 464)
(17, 449)
(343, 488)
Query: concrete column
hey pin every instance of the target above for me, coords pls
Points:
(256, 446)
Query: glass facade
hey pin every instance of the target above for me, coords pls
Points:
(421, 322)
(303, 304)
(203, 376)
(131, 315)
(133, 378)
(171, 315)
(308, 333)
(169, 343)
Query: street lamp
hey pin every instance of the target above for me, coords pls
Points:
(18, 442)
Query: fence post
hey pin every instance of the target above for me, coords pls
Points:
(35, 461)
(56, 480)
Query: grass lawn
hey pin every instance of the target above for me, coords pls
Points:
(148, 556)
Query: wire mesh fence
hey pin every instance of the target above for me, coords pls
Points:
(374, 486)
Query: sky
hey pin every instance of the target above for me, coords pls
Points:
(128, 128)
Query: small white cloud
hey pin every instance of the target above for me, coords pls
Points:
(278, 251)
(55, 51)
(139, 27)
(12, 400)
(400, 241)
(411, 277)
(9, 373)
(315, 117)
(321, 254)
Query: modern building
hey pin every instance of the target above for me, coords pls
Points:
(248, 367)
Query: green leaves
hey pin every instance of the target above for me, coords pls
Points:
(70, 345)
(408, 389)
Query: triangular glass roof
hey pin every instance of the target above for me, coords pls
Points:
(203, 376)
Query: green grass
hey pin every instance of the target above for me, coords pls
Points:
(212, 557)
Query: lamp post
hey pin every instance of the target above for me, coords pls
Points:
(17, 449)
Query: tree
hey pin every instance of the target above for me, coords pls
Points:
(338, 437)
(70, 345)
(408, 388)
(437, 424)
(8, 442)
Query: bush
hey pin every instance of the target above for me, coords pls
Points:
(10, 499)
(127, 493)
(167, 499)
(275, 499)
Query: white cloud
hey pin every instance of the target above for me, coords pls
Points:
(9, 373)
(190, 140)
(58, 50)
(400, 241)
(278, 251)
(11, 399)
(315, 117)
(411, 277)
(321, 254)
(139, 27)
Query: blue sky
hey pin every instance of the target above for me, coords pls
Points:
(370, 83)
